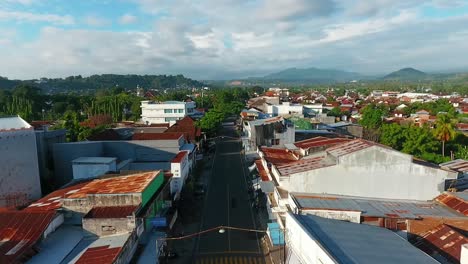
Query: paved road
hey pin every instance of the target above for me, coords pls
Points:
(227, 203)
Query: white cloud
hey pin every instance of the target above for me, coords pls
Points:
(23, 2)
(127, 19)
(96, 21)
(34, 17)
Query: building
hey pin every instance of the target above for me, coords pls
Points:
(273, 131)
(360, 168)
(165, 112)
(285, 108)
(180, 168)
(19, 166)
(90, 167)
(313, 239)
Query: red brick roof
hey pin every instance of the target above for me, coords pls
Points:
(320, 142)
(444, 241)
(178, 158)
(454, 202)
(157, 136)
(19, 232)
(99, 255)
(111, 211)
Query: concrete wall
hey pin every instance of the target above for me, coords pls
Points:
(308, 250)
(374, 172)
(19, 169)
(109, 226)
(85, 204)
(180, 173)
(83, 171)
(45, 140)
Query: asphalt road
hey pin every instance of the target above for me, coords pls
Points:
(227, 203)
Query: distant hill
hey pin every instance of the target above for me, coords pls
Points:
(94, 82)
(313, 74)
(407, 74)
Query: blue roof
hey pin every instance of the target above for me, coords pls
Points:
(359, 243)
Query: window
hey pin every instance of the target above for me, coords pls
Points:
(169, 119)
(181, 111)
(189, 110)
(168, 111)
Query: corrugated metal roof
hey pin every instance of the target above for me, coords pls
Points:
(319, 142)
(278, 156)
(111, 211)
(457, 165)
(456, 201)
(53, 200)
(305, 164)
(99, 255)
(349, 147)
(443, 241)
(364, 244)
(373, 207)
(19, 231)
(262, 171)
(134, 183)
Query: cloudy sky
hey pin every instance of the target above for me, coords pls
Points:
(208, 39)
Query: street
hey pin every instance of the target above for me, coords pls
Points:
(227, 203)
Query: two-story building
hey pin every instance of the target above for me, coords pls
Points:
(165, 112)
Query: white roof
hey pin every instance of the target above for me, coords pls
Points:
(13, 122)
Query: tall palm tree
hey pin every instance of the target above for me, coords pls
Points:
(444, 130)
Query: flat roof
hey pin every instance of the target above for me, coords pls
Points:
(94, 160)
(364, 244)
(388, 208)
(157, 136)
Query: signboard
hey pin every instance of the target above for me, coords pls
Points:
(159, 222)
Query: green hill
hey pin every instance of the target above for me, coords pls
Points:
(407, 74)
(313, 74)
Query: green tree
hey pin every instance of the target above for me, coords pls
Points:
(211, 121)
(392, 135)
(372, 116)
(444, 130)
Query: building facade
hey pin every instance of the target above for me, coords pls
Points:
(19, 169)
(165, 112)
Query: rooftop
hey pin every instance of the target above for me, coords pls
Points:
(262, 171)
(93, 160)
(458, 165)
(53, 200)
(13, 123)
(457, 201)
(442, 241)
(319, 142)
(111, 211)
(19, 231)
(363, 244)
(305, 164)
(178, 158)
(157, 136)
(134, 183)
(104, 250)
(388, 208)
(278, 156)
(350, 147)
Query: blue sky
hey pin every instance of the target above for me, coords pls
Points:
(207, 39)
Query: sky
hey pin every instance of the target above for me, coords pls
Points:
(228, 39)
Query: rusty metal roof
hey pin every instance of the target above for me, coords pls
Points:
(262, 171)
(319, 142)
(99, 255)
(133, 183)
(305, 164)
(456, 201)
(442, 241)
(458, 165)
(278, 156)
(349, 147)
(387, 208)
(53, 201)
(19, 231)
(111, 211)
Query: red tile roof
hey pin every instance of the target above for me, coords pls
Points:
(99, 255)
(134, 183)
(53, 200)
(178, 158)
(262, 171)
(157, 136)
(454, 202)
(319, 142)
(278, 156)
(19, 232)
(462, 126)
(444, 241)
(111, 211)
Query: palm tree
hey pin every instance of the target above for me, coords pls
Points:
(444, 130)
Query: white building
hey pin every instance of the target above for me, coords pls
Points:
(19, 169)
(316, 240)
(165, 112)
(285, 108)
(179, 168)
